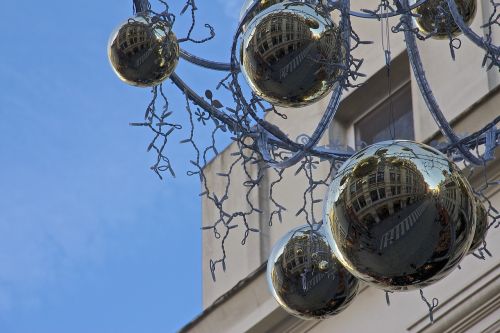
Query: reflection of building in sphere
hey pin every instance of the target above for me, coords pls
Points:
(401, 215)
(276, 37)
(143, 53)
(290, 54)
(384, 191)
(305, 278)
(481, 226)
(134, 38)
(303, 252)
(453, 199)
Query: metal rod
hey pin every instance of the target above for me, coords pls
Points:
(425, 89)
(469, 33)
(366, 14)
(141, 6)
(218, 66)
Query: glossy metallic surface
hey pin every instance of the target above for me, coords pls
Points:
(260, 5)
(481, 226)
(305, 277)
(143, 53)
(401, 214)
(290, 54)
(432, 22)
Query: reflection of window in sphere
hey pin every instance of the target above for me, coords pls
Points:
(290, 54)
(401, 214)
(305, 278)
(440, 23)
(143, 53)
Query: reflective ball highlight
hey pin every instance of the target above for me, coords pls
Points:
(143, 51)
(290, 53)
(440, 22)
(401, 214)
(306, 279)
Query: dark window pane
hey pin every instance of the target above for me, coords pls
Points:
(378, 124)
(380, 177)
(392, 176)
(362, 201)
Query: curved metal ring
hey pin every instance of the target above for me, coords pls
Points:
(469, 33)
(234, 126)
(425, 89)
(218, 66)
(371, 15)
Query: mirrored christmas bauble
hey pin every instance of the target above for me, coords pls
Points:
(401, 214)
(305, 278)
(440, 22)
(143, 53)
(481, 226)
(290, 54)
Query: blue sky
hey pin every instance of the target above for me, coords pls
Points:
(90, 239)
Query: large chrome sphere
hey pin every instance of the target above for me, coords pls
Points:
(401, 214)
(258, 6)
(432, 21)
(290, 53)
(481, 226)
(305, 277)
(143, 53)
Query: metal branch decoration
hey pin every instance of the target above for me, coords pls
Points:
(144, 51)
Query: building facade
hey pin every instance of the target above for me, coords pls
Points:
(469, 298)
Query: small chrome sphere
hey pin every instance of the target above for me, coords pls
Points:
(401, 214)
(440, 23)
(290, 53)
(143, 53)
(305, 278)
(481, 226)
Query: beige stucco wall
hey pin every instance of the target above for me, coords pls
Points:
(469, 298)
(457, 86)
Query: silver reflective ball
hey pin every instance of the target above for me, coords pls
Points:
(143, 53)
(290, 53)
(440, 22)
(306, 279)
(401, 214)
(481, 226)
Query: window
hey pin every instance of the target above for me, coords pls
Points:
(380, 176)
(381, 124)
(362, 202)
(372, 179)
(355, 204)
(374, 195)
(381, 193)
